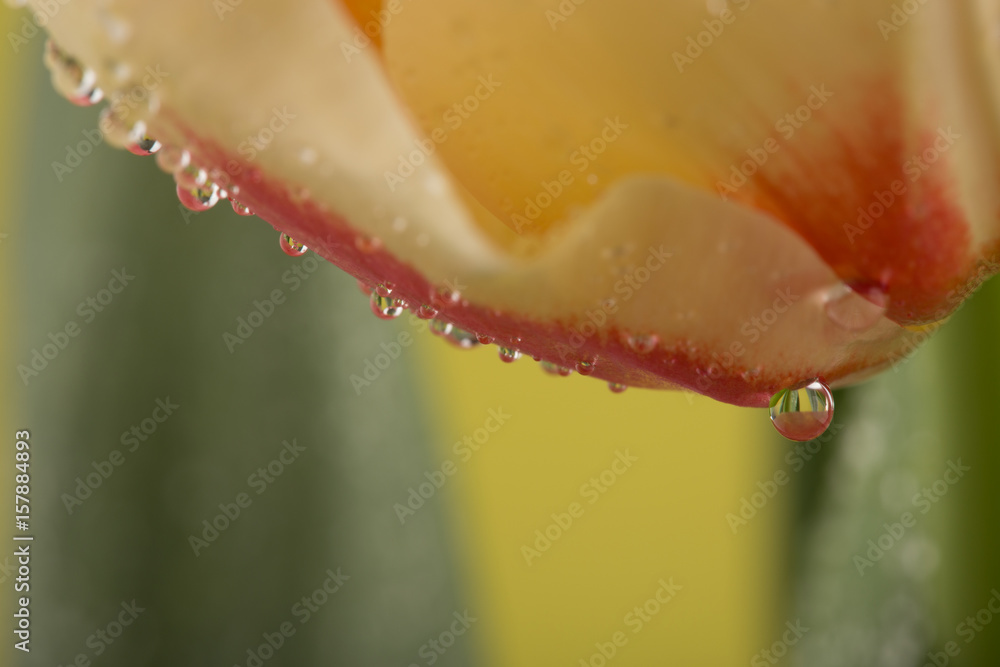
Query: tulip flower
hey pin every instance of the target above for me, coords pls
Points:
(736, 198)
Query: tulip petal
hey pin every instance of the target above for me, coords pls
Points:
(728, 301)
(867, 127)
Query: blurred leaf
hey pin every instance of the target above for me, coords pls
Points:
(162, 337)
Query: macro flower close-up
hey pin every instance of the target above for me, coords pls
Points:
(772, 204)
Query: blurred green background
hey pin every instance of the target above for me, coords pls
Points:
(671, 517)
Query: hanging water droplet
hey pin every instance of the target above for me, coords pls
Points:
(384, 288)
(367, 244)
(555, 369)
(191, 176)
(642, 343)
(198, 198)
(72, 80)
(291, 247)
(172, 159)
(116, 132)
(804, 412)
(426, 312)
(385, 307)
(856, 308)
(585, 367)
(140, 143)
(484, 339)
(509, 355)
(240, 207)
(440, 327)
(616, 388)
(462, 339)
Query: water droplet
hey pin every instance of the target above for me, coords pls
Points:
(367, 244)
(191, 176)
(643, 343)
(616, 388)
(116, 132)
(385, 307)
(384, 289)
(426, 312)
(440, 327)
(299, 194)
(585, 367)
(804, 412)
(484, 339)
(509, 354)
(856, 308)
(76, 83)
(240, 207)
(444, 296)
(140, 143)
(291, 247)
(172, 159)
(555, 369)
(198, 198)
(462, 338)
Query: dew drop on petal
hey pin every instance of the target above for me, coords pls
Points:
(804, 412)
(191, 176)
(484, 339)
(555, 369)
(240, 208)
(444, 296)
(385, 307)
(116, 132)
(509, 354)
(643, 343)
(585, 367)
(172, 159)
(291, 247)
(140, 143)
(616, 388)
(198, 198)
(856, 308)
(367, 244)
(440, 327)
(462, 339)
(426, 312)
(76, 83)
(384, 289)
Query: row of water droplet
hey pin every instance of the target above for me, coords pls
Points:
(799, 413)
(197, 189)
